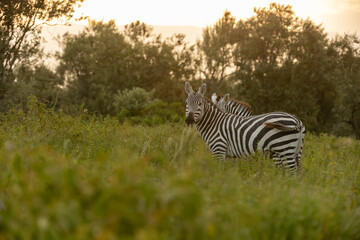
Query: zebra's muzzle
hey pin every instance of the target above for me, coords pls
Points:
(190, 119)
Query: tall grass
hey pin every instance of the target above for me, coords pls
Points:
(83, 177)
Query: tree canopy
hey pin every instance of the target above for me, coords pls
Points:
(101, 60)
(19, 28)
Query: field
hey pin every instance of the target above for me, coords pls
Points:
(85, 177)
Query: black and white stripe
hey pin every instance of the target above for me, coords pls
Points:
(230, 105)
(280, 134)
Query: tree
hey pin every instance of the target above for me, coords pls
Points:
(283, 64)
(159, 64)
(95, 65)
(313, 77)
(347, 108)
(214, 61)
(101, 60)
(19, 28)
(38, 81)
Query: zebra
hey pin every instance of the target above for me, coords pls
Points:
(233, 106)
(230, 105)
(227, 135)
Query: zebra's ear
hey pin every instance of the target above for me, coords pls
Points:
(202, 89)
(188, 88)
(214, 98)
(226, 98)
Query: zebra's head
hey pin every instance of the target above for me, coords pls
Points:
(222, 102)
(194, 103)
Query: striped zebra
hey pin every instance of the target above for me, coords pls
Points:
(280, 134)
(230, 105)
(233, 106)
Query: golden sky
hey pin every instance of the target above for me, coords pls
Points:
(336, 15)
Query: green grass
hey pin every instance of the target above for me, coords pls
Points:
(66, 177)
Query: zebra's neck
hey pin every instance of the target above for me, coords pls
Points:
(210, 120)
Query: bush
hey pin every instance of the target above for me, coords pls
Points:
(132, 102)
(138, 107)
(159, 112)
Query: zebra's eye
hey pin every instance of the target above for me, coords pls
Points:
(200, 104)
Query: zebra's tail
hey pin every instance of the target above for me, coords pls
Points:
(283, 127)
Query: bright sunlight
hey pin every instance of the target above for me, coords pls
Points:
(202, 13)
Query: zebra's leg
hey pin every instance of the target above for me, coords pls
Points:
(293, 160)
(292, 164)
(298, 157)
(219, 151)
(278, 161)
(299, 148)
(275, 157)
(220, 154)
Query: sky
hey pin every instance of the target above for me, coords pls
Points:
(336, 15)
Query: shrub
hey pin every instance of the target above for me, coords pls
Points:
(159, 112)
(138, 107)
(132, 102)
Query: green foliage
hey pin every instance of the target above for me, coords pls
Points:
(85, 177)
(215, 53)
(94, 63)
(278, 62)
(160, 112)
(283, 65)
(138, 107)
(132, 101)
(19, 28)
(38, 81)
(101, 61)
(347, 106)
